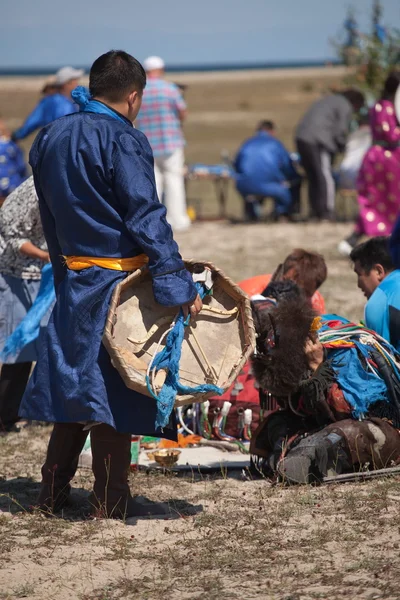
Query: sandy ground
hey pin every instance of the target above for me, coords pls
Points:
(233, 538)
(229, 537)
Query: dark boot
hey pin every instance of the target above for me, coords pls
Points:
(13, 380)
(111, 497)
(65, 445)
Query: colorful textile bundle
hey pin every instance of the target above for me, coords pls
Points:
(356, 354)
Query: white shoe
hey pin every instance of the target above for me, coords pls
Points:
(344, 248)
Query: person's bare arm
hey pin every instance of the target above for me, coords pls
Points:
(33, 251)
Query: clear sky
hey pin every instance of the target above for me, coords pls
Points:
(36, 33)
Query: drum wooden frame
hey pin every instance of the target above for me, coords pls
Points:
(215, 348)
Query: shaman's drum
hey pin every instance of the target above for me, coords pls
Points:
(217, 343)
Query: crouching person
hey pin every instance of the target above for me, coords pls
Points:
(338, 391)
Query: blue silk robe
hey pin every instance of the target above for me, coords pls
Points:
(94, 177)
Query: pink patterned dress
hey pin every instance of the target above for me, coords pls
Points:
(379, 178)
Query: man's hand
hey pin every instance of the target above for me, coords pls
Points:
(193, 308)
(315, 353)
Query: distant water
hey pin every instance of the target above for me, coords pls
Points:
(33, 71)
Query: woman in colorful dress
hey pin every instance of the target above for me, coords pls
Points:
(379, 179)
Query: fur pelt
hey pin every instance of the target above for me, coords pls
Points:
(281, 363)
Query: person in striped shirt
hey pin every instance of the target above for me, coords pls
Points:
(160, 118)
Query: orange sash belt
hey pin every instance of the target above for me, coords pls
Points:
(78, 263)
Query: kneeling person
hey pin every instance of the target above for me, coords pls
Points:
(264, 169)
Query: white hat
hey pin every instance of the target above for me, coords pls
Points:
(67, 73)
(153, 63)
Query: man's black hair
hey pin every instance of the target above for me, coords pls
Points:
(375, 251)
(266, 125)
(115, 74)
(355, 97)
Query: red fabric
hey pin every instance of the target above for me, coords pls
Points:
(243, 388)
(256, 285)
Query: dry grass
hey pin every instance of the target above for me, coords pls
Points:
(250, 540)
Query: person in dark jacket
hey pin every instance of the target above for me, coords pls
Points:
(264, 169)
(322, 133)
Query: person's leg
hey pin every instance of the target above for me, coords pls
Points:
(159, 176)
(111, 453)
(311, 161)
(13, 380)
(326, 168)
(252, 207)
(174, 189)
(295, 189)
(280, 193)
(111, 497)
(65, 445)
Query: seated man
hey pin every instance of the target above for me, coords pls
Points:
(338, 389)
(264, 169)
(379, 280)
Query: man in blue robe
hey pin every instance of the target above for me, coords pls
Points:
(52, 106)
(94, 177)
(264, 169)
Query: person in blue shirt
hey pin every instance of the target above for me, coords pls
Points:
(379, 280)
(52, 106)
(13, 168)
(264, 169)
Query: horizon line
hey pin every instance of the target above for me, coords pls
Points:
(190, 67)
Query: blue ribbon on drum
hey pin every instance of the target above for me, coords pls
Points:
(28, 329)
(168, 359)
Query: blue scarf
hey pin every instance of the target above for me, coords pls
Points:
(28, 329)
(86, 103)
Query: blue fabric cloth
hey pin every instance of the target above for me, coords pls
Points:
(47, 110)
(16, 298)
(214, 170)
(360, 386)
(29, 328)
(13, 168)
(379, 313)
(86, 103)
(94, 176)
(169, 358)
